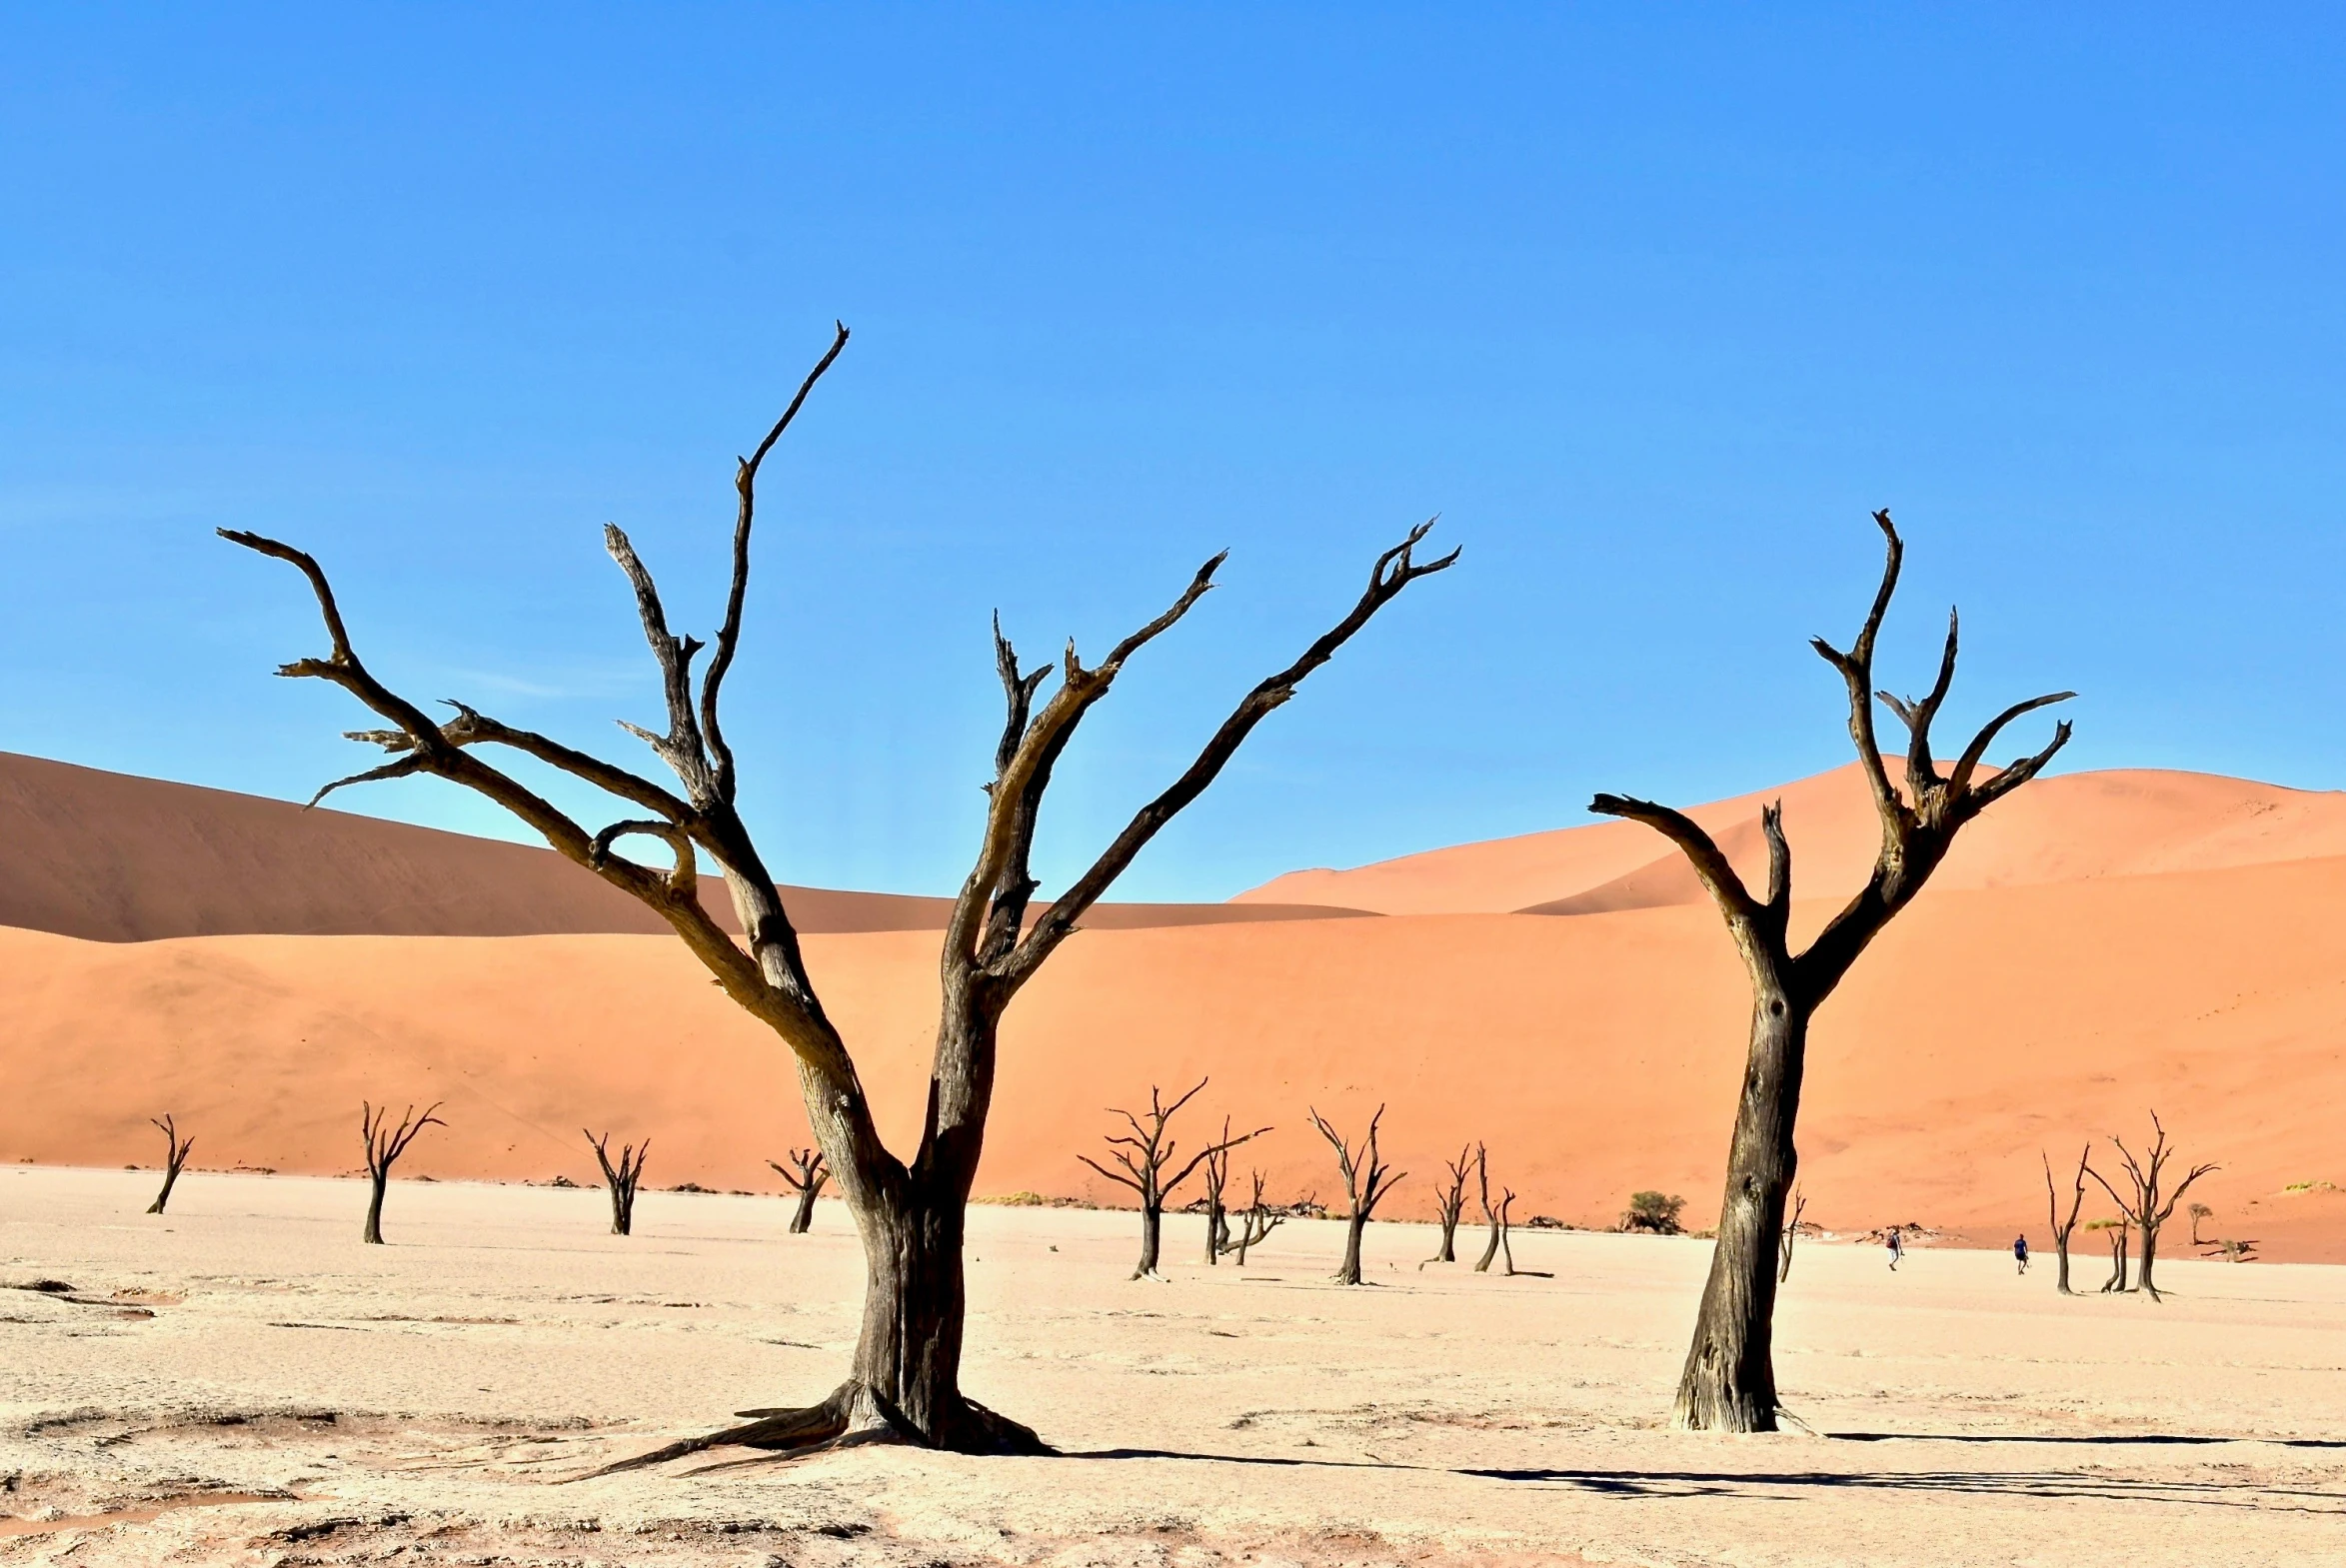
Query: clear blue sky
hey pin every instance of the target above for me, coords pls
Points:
(1650, 302)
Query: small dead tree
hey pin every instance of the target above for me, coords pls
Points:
(2147, 1204)
(1143, 1153)
(2063, 1228)
(175, 1155)
(1506, 1223)
(805, 1175)
(904, 1381)
(2118, 1233)
(621, 1178)
(1366, 1179)
(2200, 1214)
(385, 1143)
(1450, 1202)
(1729, 1381)
(1217, 1177)
(1259, 1220)
(1791, 1234)
(1490, 1214)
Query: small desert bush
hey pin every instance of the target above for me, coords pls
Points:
(1655, 1212)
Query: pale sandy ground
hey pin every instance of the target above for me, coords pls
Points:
(419, 1402)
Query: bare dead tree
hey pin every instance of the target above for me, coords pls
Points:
(904, 1379)
(1144, 1154)
(2142, 1204)
(2063, 1228)
(1450, 1200)
(1259, 1220)
(805, 1175)
(1729, 1378)
(385, 1143)
(2120, 1232)
(620, 1180)
(1490, 1214)
(175, 1151)
(1366, 1180)
(1506, 1223)
(1218, 1177)
(1791, 1234)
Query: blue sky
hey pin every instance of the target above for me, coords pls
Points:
(1651, 304)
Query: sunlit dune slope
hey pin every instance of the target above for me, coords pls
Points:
(1594, 1054)
(114, 857)
(2065, 828)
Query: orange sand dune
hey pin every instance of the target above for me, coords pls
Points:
(1594, 1054)
(114, 857)
(2076, 826)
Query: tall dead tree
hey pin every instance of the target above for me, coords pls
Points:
(1490, 1214)
(1450, 1200)
(2063, 1228)
(175, 1151)
(385, 1143)
(1506, 1224)
(2146, 1204)
(805, 1175)
(1144, 1154)
(1217, 1180)
(1791, 1234)
(1366, 1180)
(1729, 1378)
(904, 1379)
(1259, 1220)
(621, 1178)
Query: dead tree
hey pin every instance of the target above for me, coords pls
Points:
(1490, 1214)
(2200, 1214)
(1366, 1179)
(1450, 1202)
(805, 1175)
(1217, 1177)
(1729, 1378)
(2141, 1204)
(385, 1143)
(2116, 1283)
(904, 1379)
(175, 1155)
(2063, 1228)
(1791, 1234)
(1259, 1220)
(621, 1178)
(1506, 1223)
(1143, 1153)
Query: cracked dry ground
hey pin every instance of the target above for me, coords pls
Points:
(242, 1382)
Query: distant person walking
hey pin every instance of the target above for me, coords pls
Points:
(2020, 1251)
(1897, 1246)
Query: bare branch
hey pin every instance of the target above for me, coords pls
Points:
(1857, 668)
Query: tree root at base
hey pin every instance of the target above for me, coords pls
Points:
(854, 1415)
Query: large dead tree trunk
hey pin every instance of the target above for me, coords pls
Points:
(1730, 1379)
(1143, 1153)
(175, 1151)
(2063, 1228)
(805, 1175)
(385, 1143)
(903, 1382)
(2142, 1204)
(621, 1178)
(1366, 1180)
(1450, 1202)
(1490, 1214)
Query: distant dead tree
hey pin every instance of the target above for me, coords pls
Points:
(2142, 1203)
(620, 1180)
(1450, 1202)
(1217, 1177)
(175, 1155)
(1143, 1153)
(1791, 1234)
(1366, 1179)
(2063, 1228)
(1259, 1220)
(903, 1382)
(1506, 1223)
(2118, 1234)
(385, 1143)
(1490, 1214)
(1730, 1379)
(805, 1175)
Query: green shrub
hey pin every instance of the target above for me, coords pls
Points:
(1656, 1213)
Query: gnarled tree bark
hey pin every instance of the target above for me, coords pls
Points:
(904, 1381)
(1729, 1378)
(621, 1178)
(175, 1151)
(1366, 1179)
(385, 1143)
(805, 1175)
